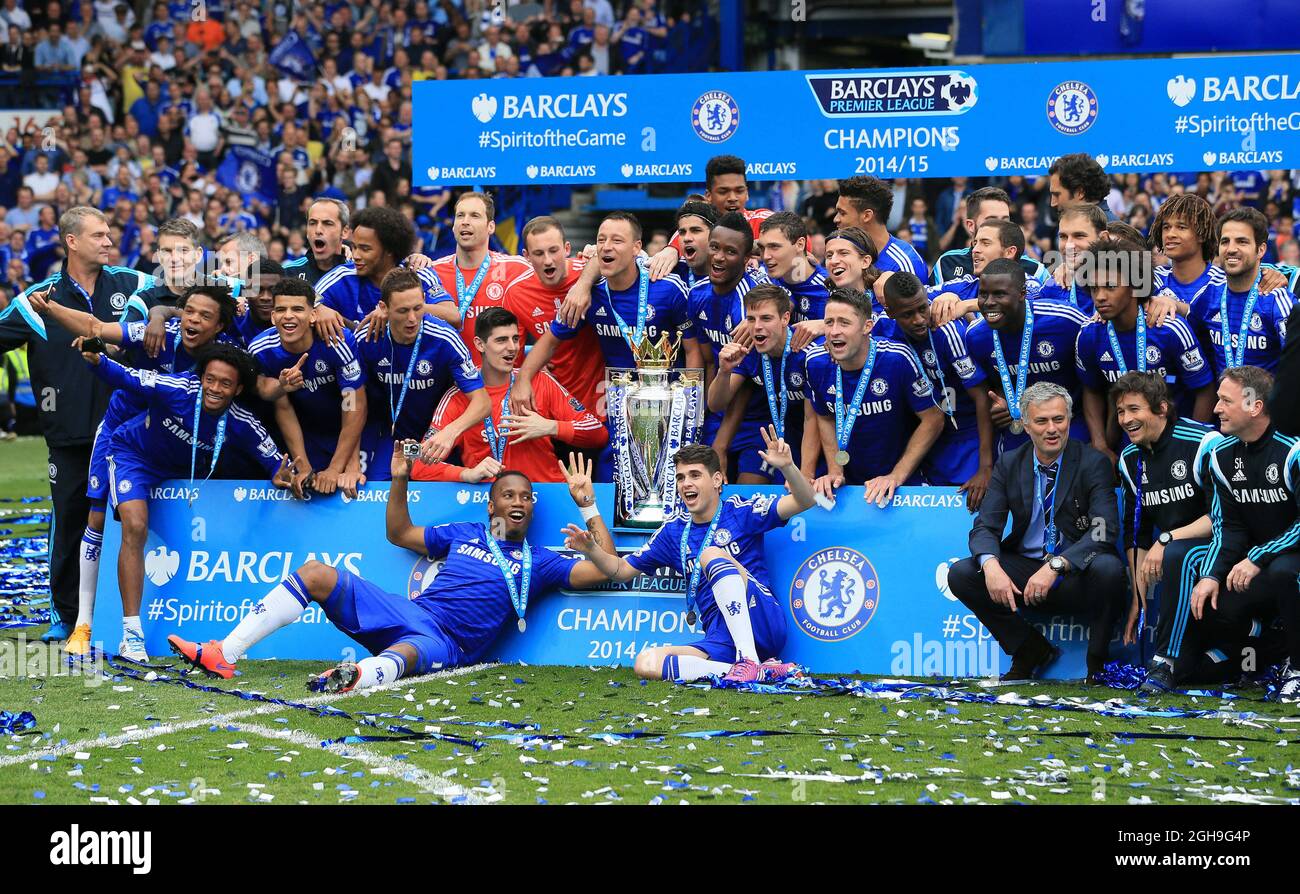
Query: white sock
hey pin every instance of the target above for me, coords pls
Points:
(382, 668)
(689, 667)
(92, 542)
(131, 624)
(276, 609)
(729, 592)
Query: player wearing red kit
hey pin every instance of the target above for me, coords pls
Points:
(521, 442)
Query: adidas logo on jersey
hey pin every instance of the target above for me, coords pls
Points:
(383, 361)
(600, 311)
(1239, 471)
(537, 311)
(1106, 358)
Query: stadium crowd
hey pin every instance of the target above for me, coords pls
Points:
(325, 325)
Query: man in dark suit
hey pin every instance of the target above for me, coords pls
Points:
(1061, 554)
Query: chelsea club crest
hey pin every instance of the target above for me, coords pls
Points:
(834, 594)
(422, 573)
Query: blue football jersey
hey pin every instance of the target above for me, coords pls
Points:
(443, 361)
(328, 370)
(1163, 280)
(741, 526)
(1172, 353)
(469, 597)
(1267, 328)
(1078, 297)
(354, 296)
(898, 255)
(162, 436)
(666, 312)
(899, 391)
(1052, 357)
(809, 296)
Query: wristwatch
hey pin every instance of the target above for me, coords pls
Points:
(1165, 538)
(1058, 564)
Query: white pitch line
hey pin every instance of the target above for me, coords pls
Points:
(429, 783)
(162, 729)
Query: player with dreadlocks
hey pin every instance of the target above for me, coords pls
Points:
(1186, 231)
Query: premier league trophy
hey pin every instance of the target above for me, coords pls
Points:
(653, 410)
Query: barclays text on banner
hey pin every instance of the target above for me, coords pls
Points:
(1179, 114)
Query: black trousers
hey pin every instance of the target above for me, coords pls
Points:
(1274, 591)
(69, 474)
(1099, 592)
(1180, 638)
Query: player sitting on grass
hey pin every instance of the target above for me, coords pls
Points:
(491, 574)
(723, 541)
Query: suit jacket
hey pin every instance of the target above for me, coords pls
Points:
(1087, 510)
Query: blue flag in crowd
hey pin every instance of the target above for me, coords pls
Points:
(293, 56)
(249, 172)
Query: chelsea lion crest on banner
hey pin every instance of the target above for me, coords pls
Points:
(1072, 107)
(715, 116)
(422, 572)
(834, 594)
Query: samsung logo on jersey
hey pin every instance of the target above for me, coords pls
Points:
(565, 105)
(412, 384)
(1168, 495)
(932, 93)
(1269, 88)
(1261, 495)
(478, 552)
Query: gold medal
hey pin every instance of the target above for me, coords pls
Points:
(1017, 427)
(842, 458)
(523, 625)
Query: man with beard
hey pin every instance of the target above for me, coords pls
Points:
(535, 297)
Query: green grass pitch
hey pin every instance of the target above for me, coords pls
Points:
(124, 740)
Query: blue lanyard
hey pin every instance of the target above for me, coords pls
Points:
(1141, 344)
(218, 440)
(90, 302)
(497, 440)
(1022, 366)
(1049, 510)
(633, 336)
(938, 369)
(1236, 358)
(518, 592)
(396, 411)
(465, 297)
(693, 583)
(778, 415)
(844, 420)
(1074, 293)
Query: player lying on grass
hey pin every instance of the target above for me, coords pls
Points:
(721, 542)
(490, 576)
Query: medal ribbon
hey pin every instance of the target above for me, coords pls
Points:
(844, 420)
(1022, 366)
(693, 583)
(518, 592)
